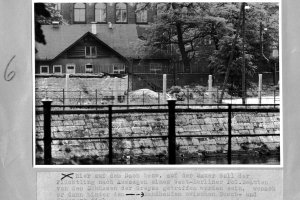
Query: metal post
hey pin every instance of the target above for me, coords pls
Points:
(96, 98)
(47, 131)
(172, 133)
(110, 148)
(217, 94)
(80, 97)
(158, 99)
(188, 98)
(112, 96)
(63, 98)
(274, 97)
(127, 99)
(275, 74)
(229, 135)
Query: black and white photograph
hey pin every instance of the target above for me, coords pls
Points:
(157, 83)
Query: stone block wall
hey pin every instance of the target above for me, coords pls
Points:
(95, 151)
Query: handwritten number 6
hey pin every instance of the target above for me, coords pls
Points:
(10, 75)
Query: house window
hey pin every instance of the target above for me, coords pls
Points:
(79, 12)
(44, 69)
(161, 8)
(121, 13)
(155, 68)
(100, 12)
(90, 51)
(88, 68)
(57, 7)
(118, 68)
(70, 68)
(141, 13)
(57, 69)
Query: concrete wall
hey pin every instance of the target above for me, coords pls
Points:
(79, 86)
(137, 124)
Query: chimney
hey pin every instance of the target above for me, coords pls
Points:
(55, 24)
(94, 28)
(110, 25)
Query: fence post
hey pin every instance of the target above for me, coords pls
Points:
(259, 88)
(158, 99)
(143, 97)
(80, 97)
(164, 92)
(274, 97)
(96, 98)
(110, 149)
(188, 98)
(172, 133)
(218, 95)
(210, 89)
(63, 98)
(47, 131)
(229, 135)
(127, 99)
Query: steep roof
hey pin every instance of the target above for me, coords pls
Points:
(122, 38)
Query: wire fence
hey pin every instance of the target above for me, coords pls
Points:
(146, 97)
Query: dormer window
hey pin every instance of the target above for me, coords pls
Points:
(79, 13)
(100, 12)
(90, 51)
(121, 13)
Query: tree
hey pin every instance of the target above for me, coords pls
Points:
(227, 61)
(180, 28)
(44, 14)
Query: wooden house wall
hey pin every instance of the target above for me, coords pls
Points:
(102, 62)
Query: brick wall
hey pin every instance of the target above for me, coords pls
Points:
(67, 10)
(134, 124)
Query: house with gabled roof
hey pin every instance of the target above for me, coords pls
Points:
(89, 48)
(98, 38)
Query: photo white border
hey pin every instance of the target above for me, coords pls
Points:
(159, 166)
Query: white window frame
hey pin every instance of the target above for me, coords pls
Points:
(116, 68)
(141, 15)
(41, 71)
(90, 47)
(86, 71)
(57, 7)
(54, 66)
(70, 65)
(122, 11)
(155, 68)
(79, 12)
(101, 11)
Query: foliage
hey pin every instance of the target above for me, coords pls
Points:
(180, 29)
(44, 14)
(258, 46)
(219, 62)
